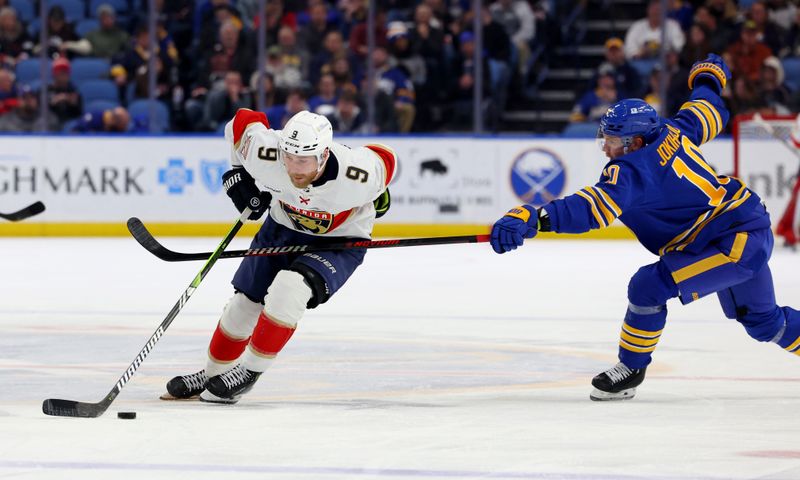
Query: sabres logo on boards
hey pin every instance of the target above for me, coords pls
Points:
(538, 176)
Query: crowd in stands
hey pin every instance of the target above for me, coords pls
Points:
(759, 40)
(206, 62)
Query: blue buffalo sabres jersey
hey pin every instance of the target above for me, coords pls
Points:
(665, 192)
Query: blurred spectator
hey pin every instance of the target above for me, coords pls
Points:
(400, 49)
(720, 32)
(8, 91)
(462, 82)
(745, 97)
(347, 116)
(115, 119)
(774, 93)
(223, 102)
(358, 36)
(429, 41)
(286, 76)
(136, 63)
(276, 17)
(325, 97)
(643, 39)
(782, 12)
(653, 95)
(278, 115)
(63, 97)
(697, 46)
(232, 52)
(516, 17)
(625, 76)
(313, 34)
(109, 39)
(747, 55)
(212, 16)
(385, 117)
(396, 83)
(270, 94)
(767, 31)
(333, 47)
(14, 41)
(339, 68)
(793, 40)
(293, 54)
(61, 37)
(682, 12)
(594, 103)
(725, 11)
(26, 117)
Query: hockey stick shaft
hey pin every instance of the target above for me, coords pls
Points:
(146, 239)
(29, 211)
(71, 408)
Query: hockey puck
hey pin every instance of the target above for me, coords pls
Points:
(126, 415)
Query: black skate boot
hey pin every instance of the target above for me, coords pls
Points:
(617, 383)
(186, 386)
(230, 386)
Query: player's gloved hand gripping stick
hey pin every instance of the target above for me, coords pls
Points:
(72, 408)
(514, 227)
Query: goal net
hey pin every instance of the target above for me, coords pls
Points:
(766, 159)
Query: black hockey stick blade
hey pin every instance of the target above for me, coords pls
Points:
(146, 239)
(29, 211)
(70, 408)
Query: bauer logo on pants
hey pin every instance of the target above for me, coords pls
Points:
(538, 176)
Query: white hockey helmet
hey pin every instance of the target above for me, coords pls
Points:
(307, 134)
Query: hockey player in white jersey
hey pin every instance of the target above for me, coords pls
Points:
(314, 189)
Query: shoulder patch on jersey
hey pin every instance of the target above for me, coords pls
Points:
(243, 118)
(388, 158)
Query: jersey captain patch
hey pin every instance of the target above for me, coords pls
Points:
(314, 221)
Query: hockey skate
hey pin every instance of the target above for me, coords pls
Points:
(617, 383)
(229, 386)
(186, 387)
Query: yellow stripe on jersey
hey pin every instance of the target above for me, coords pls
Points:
(712, 120)
(636, 349)
(611, 204)
(600, 220)
(609, 217)
(714, 112)
(681, 241)
(638, 341)
(713, 261)
(703, 122)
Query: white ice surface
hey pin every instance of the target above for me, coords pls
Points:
(442, 362)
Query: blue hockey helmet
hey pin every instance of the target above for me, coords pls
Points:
(630, 118)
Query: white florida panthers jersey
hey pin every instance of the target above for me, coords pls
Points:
(337, 204)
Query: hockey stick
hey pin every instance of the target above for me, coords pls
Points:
(146, 239)
(29, 211)
(71, 408)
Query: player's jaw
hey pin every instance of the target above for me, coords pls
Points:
(302, 169)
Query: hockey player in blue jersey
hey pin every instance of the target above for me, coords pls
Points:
(711, 232)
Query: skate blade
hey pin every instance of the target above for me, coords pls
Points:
(170, 398)
(601, 396)
(208, 397)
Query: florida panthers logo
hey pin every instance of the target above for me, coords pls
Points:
(311, 221)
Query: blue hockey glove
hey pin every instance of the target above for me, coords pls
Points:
(241, 188)
(712, 72)
(513, 228)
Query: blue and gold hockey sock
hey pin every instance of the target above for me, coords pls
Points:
(640, 334)
(790, 340)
